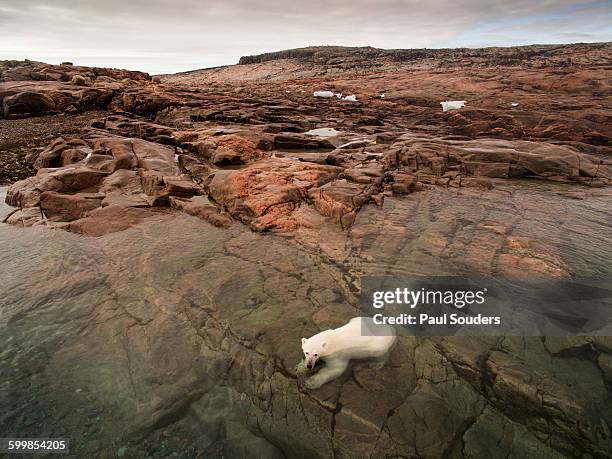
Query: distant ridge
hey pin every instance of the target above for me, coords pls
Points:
(323, 54)
(321, 61)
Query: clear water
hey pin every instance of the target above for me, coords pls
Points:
(112, 339)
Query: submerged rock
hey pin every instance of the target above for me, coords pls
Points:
(176, 322)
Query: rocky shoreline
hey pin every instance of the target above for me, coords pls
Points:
(247, 154)
(219, 230)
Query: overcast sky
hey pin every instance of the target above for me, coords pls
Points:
(163, 36)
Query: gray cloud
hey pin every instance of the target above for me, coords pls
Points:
(173, 35)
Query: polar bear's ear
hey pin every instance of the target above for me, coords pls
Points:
(303, 341)
(323, 345)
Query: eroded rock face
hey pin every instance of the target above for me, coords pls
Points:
(39, 71)
(200, 206)
(266, 194)
(112, 171)
(30, 88)
(341, 200)
(27, 103)
(449, 161)
(22, 99)
(183, 184)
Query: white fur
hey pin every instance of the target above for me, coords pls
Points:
(339, 346)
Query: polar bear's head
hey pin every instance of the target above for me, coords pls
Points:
(314, 348)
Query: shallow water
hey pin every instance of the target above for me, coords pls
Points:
(107, 340)
(461, 232)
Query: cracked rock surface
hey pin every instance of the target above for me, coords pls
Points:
(177, 328)
(200, 233)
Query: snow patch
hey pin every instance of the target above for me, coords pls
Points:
(323, 94)
(322, 132)
(452, 105)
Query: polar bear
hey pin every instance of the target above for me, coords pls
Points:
(339, 346)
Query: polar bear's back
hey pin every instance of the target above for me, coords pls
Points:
(361, 337)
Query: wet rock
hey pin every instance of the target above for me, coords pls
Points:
(341, 200)
(498, 158)
(493, 434)
(68, 207)
(605, 363)
(27, 216)
(200, 206)
(123, 188)
(110, 219)
(532, 394)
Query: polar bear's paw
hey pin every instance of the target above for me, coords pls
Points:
(313, 383)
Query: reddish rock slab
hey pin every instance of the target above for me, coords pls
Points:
(110, 219)
(27, 216)
(66, 207)
(499, 159)
(26, 193)
(61, 152)
(341, 200)
(200, 206)
(233, 149)
(123, 188)
(265, 195)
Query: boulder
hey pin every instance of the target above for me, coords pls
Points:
(301, 142)
(27, 103)
(74, 155)
(66, 207)
(79, 80)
